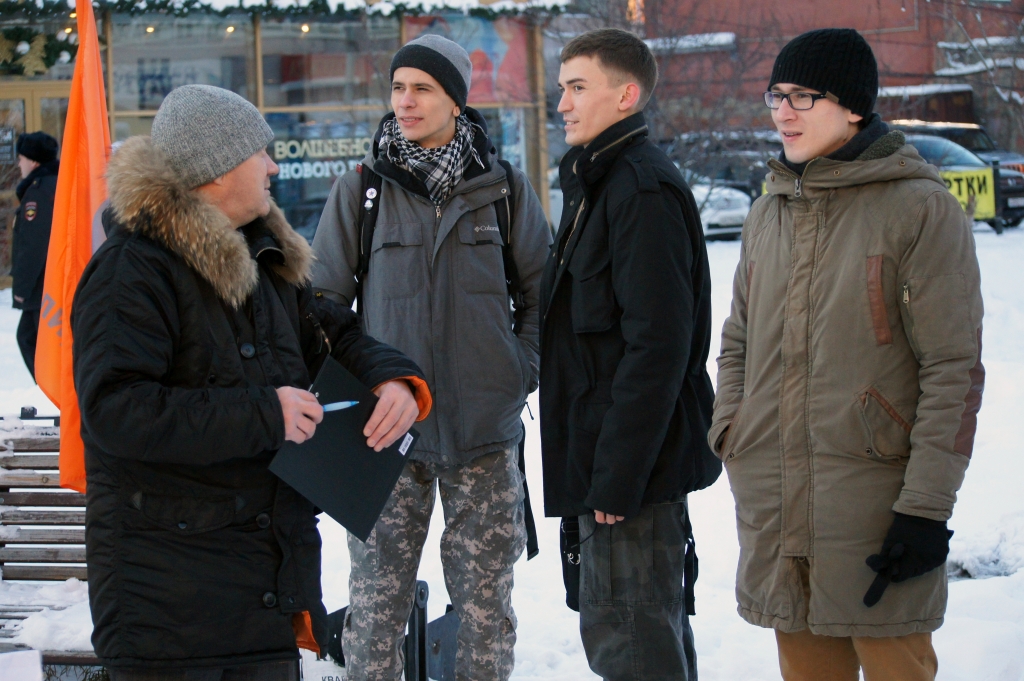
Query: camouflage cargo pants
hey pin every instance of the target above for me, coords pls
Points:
(633, 617)
(484, 535)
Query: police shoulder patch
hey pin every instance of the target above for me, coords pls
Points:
(30, 211)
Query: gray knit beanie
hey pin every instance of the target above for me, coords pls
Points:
(443, 59)
(205, 131)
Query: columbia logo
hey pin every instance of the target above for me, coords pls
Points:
(485, 228)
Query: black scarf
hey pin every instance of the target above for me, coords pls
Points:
(41, 171)
(851, 151)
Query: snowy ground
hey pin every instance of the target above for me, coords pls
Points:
(982, 640)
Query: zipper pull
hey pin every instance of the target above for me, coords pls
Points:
(438, 209)
(906, 294)
(799, 192)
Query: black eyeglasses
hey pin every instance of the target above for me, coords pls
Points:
(799, 101)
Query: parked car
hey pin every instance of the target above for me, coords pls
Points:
(970, 136)
(722, 209)
(733, 158)
(967, 174)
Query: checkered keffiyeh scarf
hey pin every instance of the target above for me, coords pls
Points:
(441, 168)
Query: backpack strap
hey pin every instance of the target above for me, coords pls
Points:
(504, 209)
(370, 196)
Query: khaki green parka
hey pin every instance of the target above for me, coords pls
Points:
(849, 380)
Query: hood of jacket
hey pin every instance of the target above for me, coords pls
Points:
(148, 197)
(888, 158)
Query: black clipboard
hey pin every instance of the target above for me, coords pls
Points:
(335, 469)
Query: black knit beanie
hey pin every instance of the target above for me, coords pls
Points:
(836, 60)
(445, 60)
(37, 146)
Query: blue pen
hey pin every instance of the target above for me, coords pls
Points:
(337, 406)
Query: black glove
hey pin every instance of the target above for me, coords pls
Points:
(912, 547)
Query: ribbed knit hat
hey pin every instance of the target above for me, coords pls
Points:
(205, 131)
(37, 146)
(836, 60)
(443, 59)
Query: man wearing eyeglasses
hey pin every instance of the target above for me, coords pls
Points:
(849, 379)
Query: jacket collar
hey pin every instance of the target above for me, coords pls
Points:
(592, 162)
(44, 170)
(888, 159)
(873, 129)
(147, 197)
(406, 180)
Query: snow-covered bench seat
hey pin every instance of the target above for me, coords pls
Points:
(42, 534)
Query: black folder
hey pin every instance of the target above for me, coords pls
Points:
(335, 469)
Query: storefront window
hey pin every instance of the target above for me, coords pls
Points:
(498, 50)
(313, 150)
(341, 63)
(324, 87)
(153, 54)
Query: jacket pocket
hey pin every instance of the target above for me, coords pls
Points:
(481, 268)
(940, 317)
(397, 260)
(729, 449)
(888, 433)
(593, 299)
(186, 515)
(526, 367)
(876, 300)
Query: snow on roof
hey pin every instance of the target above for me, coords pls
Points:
(697, 42)
(917, 123)
(991, 41)
(923, 90)
(959, 69)
(386, 7)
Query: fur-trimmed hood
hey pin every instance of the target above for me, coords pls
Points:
(148, 197)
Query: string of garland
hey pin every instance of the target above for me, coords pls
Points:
(59, 9)
(26, 51)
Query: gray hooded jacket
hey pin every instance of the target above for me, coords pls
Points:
(436, 291)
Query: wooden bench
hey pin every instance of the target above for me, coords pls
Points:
(42, 526)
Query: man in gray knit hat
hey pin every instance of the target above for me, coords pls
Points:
(428, 205)
(195, 335)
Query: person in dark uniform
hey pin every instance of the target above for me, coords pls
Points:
(37, 159)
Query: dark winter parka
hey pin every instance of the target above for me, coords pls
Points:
(32, 235)
(625, 332)
(183, 328)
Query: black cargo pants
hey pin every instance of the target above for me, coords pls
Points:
(633, 616)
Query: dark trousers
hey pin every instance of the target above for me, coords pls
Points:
(632, 612)
(285, 670)
(28, 331)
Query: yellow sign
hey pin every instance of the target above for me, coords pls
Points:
(963, 184)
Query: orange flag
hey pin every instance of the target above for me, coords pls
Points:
(81, 188)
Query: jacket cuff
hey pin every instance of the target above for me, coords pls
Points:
(302, 626)
(922, 506)
(613, 504)
(420, 391)
(269, 406)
